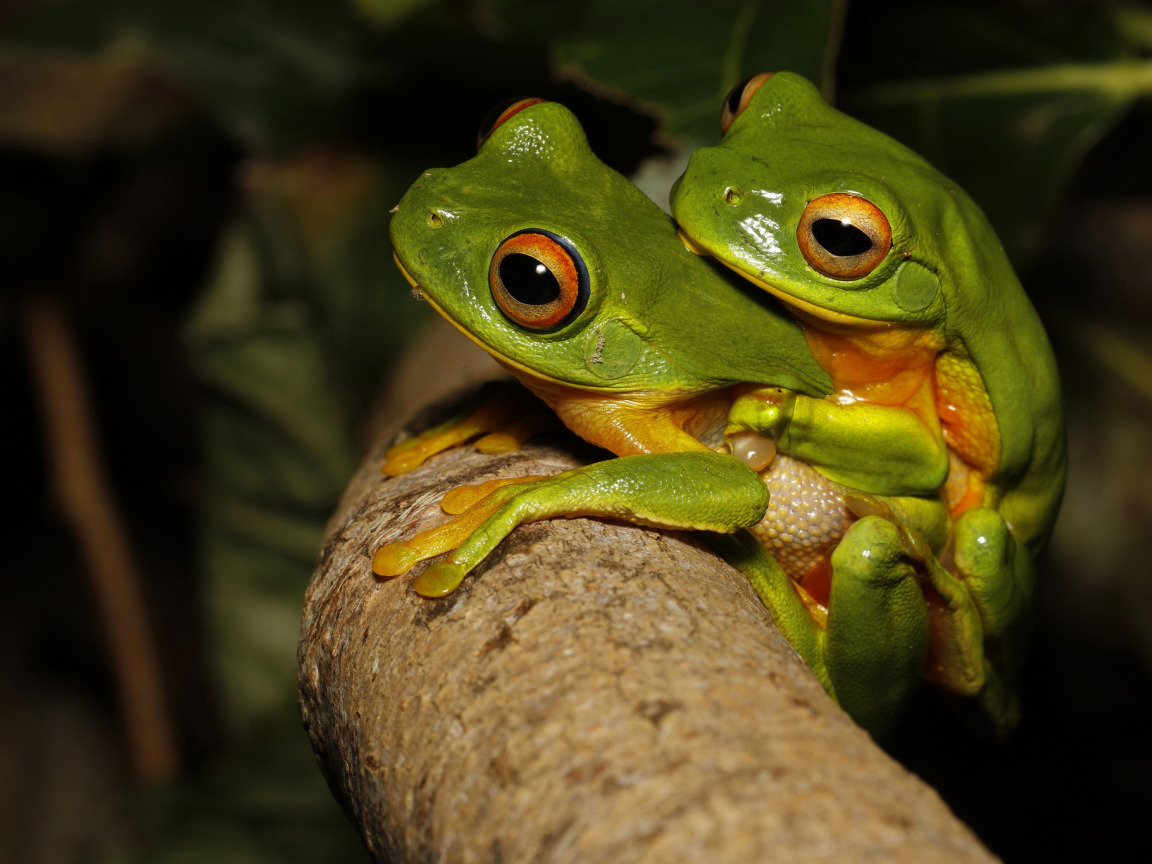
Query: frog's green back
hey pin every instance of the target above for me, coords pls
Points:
(997, 326)
(657, 316)
(788, 148)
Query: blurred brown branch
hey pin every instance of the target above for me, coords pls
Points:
(593, 692)
(82, 492)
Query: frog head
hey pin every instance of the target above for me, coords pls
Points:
(849, 227)
(893, 269)
(569, 275)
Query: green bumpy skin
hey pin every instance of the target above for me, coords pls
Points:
(657, 348)
(942, 369)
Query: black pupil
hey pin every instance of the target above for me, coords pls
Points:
(528, 281)
(735, 93)
(489, 122)
(843, 240)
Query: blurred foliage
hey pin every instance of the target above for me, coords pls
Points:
(1008, 104)
(290, 337)
(264, 805)
(682, 69)
(332, 109)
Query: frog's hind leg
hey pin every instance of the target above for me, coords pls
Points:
(867, 648)
(878, 626)
(998, 572)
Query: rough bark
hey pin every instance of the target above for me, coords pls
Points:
(592, 693)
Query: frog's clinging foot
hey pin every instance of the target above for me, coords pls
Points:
(396, 559)
(868, 648)
(986, 552)
(440, 579)
(506, 417)
(876, 601)
(456, 501)
(535, 418)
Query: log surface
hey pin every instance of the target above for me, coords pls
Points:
(592, 693)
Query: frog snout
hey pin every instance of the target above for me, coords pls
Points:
(703, 189)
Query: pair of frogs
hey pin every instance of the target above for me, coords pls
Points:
(890, 434)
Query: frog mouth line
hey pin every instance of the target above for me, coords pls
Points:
(810, 313)
(419, 292)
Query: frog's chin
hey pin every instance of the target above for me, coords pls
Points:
(818, 316)
(809, 313)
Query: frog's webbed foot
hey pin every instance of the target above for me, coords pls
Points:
(505, 417)
(698, 491)
(978, 600)
(473, 505)
(998, 574)
(955, 661)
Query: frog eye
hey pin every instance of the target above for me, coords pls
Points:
(843, 236)
(500, 114)
(538, 280)
(738, 97)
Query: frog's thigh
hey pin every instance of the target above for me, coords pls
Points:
(878, 629)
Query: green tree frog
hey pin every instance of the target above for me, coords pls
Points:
(942, 371)
(582, 288)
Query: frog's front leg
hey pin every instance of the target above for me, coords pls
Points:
(879, 449)
(696, 491)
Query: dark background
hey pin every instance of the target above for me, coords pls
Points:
(193, 199)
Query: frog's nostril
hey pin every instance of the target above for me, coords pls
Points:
(435, 220)
(733, 196)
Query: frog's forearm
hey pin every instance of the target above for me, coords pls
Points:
(698, 491)
(874, 448)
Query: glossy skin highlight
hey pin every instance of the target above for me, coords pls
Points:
(649, 367)
(944, 377)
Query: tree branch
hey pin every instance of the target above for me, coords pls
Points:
(593, 693)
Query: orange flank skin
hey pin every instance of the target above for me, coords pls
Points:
(817, 582)
(908, 369)
(966, 416)
(633, 424)
(886, 367)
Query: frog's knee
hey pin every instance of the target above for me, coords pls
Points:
(984, 546)
(998, 573)
(872, 552)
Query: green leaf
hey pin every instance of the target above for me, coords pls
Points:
(268, 71)
(299, 321)
(1007, 105)
(682, 69)
(278, 452)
